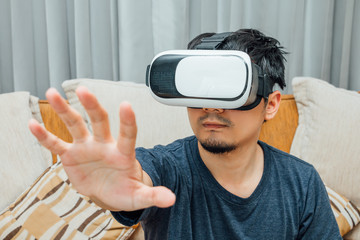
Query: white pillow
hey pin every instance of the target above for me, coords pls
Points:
(328, 134)
(22, 158)
(157, 123)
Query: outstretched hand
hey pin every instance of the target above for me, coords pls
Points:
(97, 165)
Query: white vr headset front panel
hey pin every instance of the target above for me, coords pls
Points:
(202, 78)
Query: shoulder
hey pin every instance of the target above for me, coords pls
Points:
(291, 170)
(284, 159)
(300, 182)
(165, 163)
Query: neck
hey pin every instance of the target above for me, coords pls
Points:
(238, 171)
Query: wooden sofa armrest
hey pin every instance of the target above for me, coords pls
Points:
(278, 132)
(53, 123)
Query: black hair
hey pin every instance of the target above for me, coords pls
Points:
(263, 50)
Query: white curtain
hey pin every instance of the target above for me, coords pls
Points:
(44, 42)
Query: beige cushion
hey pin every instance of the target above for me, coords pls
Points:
(52, 209)
(22, 158)
(157, 123)
(328, 134)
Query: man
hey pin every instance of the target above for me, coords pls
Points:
(220, 183)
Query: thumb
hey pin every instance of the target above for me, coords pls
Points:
(161, 197)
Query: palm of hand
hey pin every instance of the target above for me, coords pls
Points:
(98, 166)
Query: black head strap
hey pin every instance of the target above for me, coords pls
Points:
(213, 42)
(264, 86)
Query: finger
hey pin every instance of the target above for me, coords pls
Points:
(128, 130)
(48, 140)
(98, 116)
(72, 119)
(155, 196)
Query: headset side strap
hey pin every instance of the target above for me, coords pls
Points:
(264, 88)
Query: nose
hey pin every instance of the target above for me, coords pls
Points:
(215, 110)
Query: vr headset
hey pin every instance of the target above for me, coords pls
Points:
(204, 78)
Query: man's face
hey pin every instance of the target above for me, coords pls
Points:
(221, 131)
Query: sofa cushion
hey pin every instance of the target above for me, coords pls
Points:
(328, 133)
(353, 234)
(157, 123)
(22, 158)
(346, 213)
(52, 209)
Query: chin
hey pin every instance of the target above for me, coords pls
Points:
(217, 147)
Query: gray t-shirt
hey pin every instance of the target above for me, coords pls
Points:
(290, 201)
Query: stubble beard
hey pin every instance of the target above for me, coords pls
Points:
(212, 144)
(217, 147)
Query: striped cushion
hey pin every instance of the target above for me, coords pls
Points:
(52, 209)
(346, 213)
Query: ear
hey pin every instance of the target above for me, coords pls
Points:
(273, 105)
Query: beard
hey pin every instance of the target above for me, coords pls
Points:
(217, 147)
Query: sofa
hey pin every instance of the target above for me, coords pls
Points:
(318, 123)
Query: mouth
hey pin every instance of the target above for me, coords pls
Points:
(214, 125)
(214, 122)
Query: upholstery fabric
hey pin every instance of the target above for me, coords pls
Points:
(22, 158)
(157, 123)
(52, 209)
(328, 133)
(353, 234)
(346, 213)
